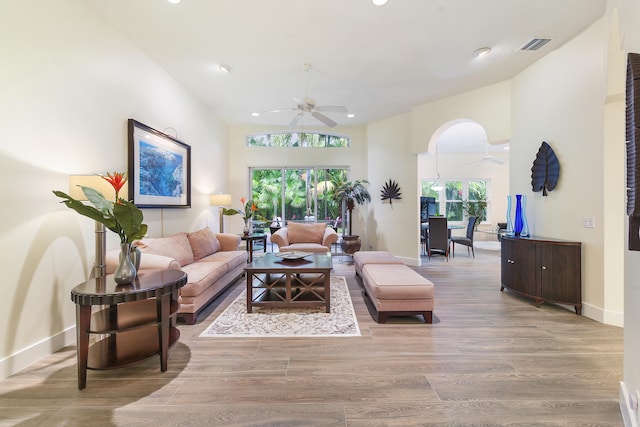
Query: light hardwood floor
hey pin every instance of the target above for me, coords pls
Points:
(490, 358)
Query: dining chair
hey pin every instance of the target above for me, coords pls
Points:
(438, 240)
(466, 240)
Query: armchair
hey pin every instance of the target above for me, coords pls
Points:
(305, 237)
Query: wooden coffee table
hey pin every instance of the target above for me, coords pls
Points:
(277, 282)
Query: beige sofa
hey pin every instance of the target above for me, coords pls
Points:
(211, 260)
(305, 237)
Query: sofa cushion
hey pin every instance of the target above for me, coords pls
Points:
(176, 247)
(203, 242)
(305, 232)
(201, 275)
(233, 259)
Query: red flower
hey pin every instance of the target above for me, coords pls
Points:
(117, 180)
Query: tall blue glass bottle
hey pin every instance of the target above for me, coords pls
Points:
(517, 226)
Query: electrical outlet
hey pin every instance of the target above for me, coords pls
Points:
(589, 222)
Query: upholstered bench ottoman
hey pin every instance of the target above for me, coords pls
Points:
(396, 289)
(362, 258)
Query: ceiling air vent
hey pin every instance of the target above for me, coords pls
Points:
(535, 44)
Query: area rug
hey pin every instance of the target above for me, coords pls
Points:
(288, 322)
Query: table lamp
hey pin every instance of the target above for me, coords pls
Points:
(221, 200)
(100, 184)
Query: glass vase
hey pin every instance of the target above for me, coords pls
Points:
(517, 226)
(126, 271)
(509, 231)
(525, 225)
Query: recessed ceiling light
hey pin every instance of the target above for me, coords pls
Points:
(225, 68)
(483, 51)
(351, 115)
(174, 1)
(255, 114)
(379, 2)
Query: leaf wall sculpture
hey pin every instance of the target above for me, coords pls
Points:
(390, 191)
(545, 170)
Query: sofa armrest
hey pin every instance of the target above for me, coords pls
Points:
(147, 261)
(228, 241)
(330, 237)
(280, 237)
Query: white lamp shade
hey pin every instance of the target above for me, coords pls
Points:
(220, 200)
(97, 183)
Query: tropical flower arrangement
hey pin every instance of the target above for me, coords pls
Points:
(120, 216)
(249, 210)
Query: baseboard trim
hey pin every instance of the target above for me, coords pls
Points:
(629, 415)
(613, 318)
(23, 358)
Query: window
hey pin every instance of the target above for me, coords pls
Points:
(297, 193)
(297, 139)
(460, 199)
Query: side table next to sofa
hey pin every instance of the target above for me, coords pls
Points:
(138, 320)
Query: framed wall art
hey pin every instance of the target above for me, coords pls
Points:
(159, 168)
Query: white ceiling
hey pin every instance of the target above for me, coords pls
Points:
(378, 61)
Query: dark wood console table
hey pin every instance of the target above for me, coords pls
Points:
(543, 269)
(137, 320)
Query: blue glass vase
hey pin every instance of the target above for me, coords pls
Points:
(517, 226)
(509, 231)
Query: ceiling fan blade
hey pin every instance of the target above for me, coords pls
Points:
(280, 110)
(295, 120)
(332, 108)
(324, 119)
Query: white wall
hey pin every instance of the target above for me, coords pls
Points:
(69, 84)
(560, 100)
(489, 106)
(393, 227)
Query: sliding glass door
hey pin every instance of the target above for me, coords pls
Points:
(297, 193)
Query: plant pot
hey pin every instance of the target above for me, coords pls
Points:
(350, 244)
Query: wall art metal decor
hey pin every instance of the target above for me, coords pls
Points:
(390, 191)
(545, 170)
(159, 168)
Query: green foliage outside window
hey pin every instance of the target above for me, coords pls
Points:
(457, 208)
(297, 139)
(307, 192)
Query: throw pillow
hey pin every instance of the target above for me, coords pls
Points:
(305, 232)
(203, 242)
(176, 247)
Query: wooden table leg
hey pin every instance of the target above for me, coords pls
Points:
(83, 321)
(164, 305)
(249, 292)
(327, 292)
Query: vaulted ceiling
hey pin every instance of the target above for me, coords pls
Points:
(377, 61)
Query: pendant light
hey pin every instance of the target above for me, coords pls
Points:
(436, 185)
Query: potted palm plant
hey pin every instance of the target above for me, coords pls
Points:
(350, 194)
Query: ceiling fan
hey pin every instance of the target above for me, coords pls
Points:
(488, 158)
(310, 106)
(306, 105)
